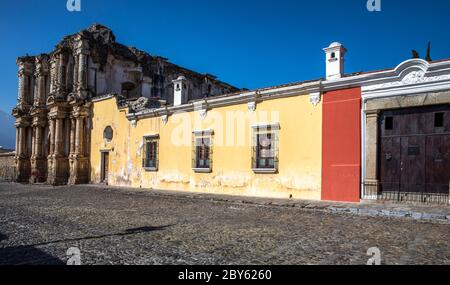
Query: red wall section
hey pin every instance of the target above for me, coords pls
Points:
(341, 147)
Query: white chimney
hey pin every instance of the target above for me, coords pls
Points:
(335, 54)
(179, 91)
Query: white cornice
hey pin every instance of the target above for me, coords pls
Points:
(103, 97)
(243, 98)
(409, 77)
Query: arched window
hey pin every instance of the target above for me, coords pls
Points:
(108, 134)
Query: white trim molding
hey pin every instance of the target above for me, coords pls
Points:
(151, 136)
(267, 126)
(265, 170)
(203, 132)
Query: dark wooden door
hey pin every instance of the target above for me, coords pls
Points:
(414, 151)
(412, 164)
(438, 164)
(105, 166)
(391, 164)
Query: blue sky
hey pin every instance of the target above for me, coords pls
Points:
(248, 43)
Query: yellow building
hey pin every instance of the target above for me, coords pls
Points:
(261, 143)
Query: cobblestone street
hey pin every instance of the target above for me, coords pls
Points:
(111, 226)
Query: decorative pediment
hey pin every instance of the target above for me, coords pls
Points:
(415, 75)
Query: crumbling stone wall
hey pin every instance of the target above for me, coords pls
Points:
(7, 167)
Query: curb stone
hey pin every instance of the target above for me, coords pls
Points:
(384, 213)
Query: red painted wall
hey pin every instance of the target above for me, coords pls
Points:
(341, 147)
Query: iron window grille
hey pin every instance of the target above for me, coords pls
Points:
(150, 157)
(265, 148)
(202, 151)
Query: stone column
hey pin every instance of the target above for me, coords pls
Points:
(59, 138)
(38, 162)
(23, 165)
(79, 161)
(17, 140)
(82, 72)
(75, 72)
(39, 98)
(371, 148)
(58, 163)
(22, 141)
(62, 63)
(53, 75)
(79, 137)
(33, 141)
(39, 142)
(22, 79)
(52, 136)
(72, 135)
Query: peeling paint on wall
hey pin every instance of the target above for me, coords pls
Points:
(299, 173)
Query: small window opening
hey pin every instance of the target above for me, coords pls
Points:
(439, 120)
(389, 123)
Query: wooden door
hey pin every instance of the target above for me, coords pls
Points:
(438, 164)
(414, 152)
(412, 164)
(105, 167)
(390, 160)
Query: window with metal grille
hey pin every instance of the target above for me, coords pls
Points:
(150, 157)
(265, 148)
(202, 151)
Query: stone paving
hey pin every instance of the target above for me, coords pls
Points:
(38, 224)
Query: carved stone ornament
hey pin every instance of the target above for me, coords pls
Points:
(251, 106)
(203, 113)
(315, 98)
(165, 119)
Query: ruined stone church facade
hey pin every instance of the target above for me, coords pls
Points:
(53, 112)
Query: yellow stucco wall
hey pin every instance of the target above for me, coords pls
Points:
(300, 149)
